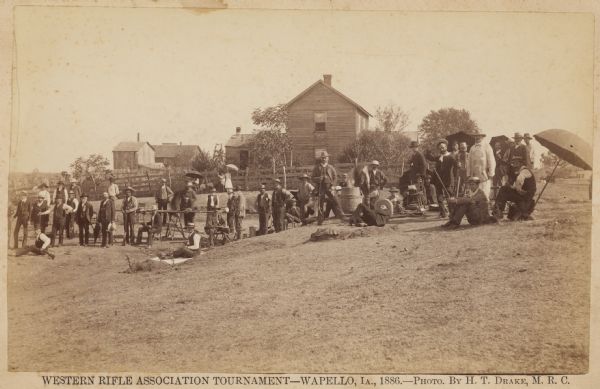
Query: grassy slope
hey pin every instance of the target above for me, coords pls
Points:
(405, 298)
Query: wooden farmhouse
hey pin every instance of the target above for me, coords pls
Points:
(133, 155)
(236, 149)
(174, 154)
(321, 118)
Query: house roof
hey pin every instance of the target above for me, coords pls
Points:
(131, 146)
(173, 150)
(239, 140)
(320, 82)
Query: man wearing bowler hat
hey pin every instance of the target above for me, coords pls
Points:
(481, 163)
(83, 216)
(324, 177)
(129, 208)
(263, 207)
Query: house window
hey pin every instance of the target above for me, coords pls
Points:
(320, 121)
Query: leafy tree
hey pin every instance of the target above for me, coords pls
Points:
(94, 167)
(269, 148)
(272, 118)
(391, 118)
(443, 122)
(203, 161)
(389, 148)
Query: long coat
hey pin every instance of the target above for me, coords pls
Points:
(481, 162)
(84, 213)
(106, 213)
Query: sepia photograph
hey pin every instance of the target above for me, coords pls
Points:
(299, 191)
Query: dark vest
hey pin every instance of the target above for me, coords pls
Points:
(59, 213)
(529, 185)
(278, 199)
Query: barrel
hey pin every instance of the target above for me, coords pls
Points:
(350, 197)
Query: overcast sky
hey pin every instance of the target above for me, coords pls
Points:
(90, 77)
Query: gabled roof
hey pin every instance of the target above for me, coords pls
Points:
(292, 101)
(239, 140)
(174, 150)
(131, 146)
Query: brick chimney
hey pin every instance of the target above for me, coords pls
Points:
(238, 130)
(327, 79)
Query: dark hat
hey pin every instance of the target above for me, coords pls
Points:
(129, 189)
(413, 144)
(518, 135)
(441, 141)
(527, 136)
(43, 185)
(83, 195)
(324, 154)
(262, 186)
(478, 134)
(304, 176)
(163, 179)
(238, 188)
(111, 178)
(213, 189)
(23, 192)
(475, 180)
(393, 189)
(60, 183)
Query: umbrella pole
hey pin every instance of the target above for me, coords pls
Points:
(548, 180)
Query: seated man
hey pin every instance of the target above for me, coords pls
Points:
(365, 216)
(154, 226)
(39, 247)
(521, 193)
(193, 244)
(397, 200)
(293, 214)
(474, 205)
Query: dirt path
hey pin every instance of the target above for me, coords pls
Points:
(408, 297)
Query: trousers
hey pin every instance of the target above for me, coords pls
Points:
(20, 223)
(128, 225)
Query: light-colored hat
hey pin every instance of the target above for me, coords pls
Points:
(475, 180)
(374, 162)
(393, 189)
(189, 184)
(213, 189)
(190, 225)
(338, 188)
(304, 176)
(441, 141)
(72, 180)
(129, 189)
(24, 192)
(277, 180)
(163, 179)
(527, 136)
(71, 192)
(262, 186)
(154, 207)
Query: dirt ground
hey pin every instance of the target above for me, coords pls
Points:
(406, 298)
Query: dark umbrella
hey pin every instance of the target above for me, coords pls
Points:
(566, 146)
(500, 138)
(461, 136)
(194, 174)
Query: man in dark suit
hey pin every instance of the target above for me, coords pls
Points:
(418, 164)
(83, 215)
(324, 177)
(22, 215)
(444, 177)
(474, 205)
(106, 216)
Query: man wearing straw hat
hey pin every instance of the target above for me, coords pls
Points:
(129, 208)
(113, 189)
(481, 163)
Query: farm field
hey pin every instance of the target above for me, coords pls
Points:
(406, 298)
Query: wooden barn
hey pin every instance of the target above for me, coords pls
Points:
(236, 149)
(133, 155)
(321, 118)
(173, 154)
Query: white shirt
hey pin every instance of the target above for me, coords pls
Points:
(75, 204)
(196, 245)
(523, 174)
(44, 193)
(113, 190)
(44, 239)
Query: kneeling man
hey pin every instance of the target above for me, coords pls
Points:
(193, 244)
(474, 205)
(364, 215)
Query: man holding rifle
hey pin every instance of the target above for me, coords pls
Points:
(324, 177)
